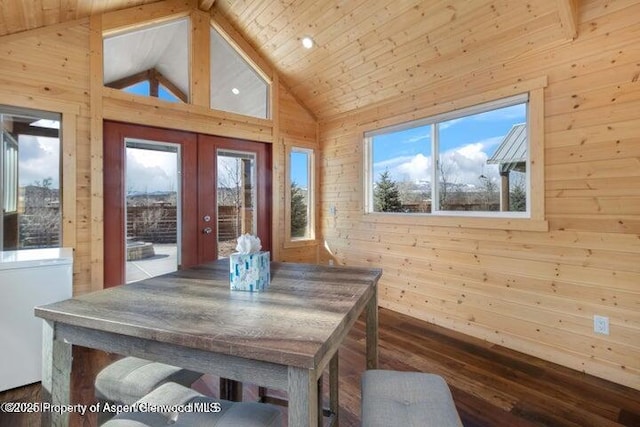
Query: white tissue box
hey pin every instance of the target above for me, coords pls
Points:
(250, 272)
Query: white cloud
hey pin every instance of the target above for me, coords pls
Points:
(419, 138)
(39, 159)
(390, 164)
(415, 169)
(150, 171)
(449, 123)
(463, 165)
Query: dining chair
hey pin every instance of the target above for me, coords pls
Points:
(191, 408)
(409, 399)
(127, 380)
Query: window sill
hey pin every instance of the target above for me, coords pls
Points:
(501, 223)
(300, 243)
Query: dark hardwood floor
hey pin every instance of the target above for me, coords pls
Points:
(491, 385)
(495, 386)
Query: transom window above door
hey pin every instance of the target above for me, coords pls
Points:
(235, 85)
(150, 61)
(155, 61)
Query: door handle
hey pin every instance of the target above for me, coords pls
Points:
(207, 230)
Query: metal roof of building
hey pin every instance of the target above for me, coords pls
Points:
(513, 148)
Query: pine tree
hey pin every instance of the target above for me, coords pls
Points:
(298, 212)
(386, 194)
(518, 196)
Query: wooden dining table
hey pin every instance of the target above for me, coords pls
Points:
(283, 338)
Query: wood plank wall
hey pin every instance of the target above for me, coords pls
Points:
(50, 69)
(297, 128)
(532, 291)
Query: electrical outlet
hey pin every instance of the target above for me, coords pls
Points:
(331, 262)
(601, 324)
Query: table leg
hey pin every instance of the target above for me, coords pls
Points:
(334, 398)
(372, 332)
(303, 398)
(320, 402)
(230, 390)
(56, 375)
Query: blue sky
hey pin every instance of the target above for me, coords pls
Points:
(299, 169)
(465, 145)
(142, 88)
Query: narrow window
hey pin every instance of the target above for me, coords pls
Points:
(301, 195)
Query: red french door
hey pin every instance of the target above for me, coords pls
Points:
(222, 189)
(234, 188)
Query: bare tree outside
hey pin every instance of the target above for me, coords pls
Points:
(40, 222)
(236, 194)
(231, 191)
(447, 183)
(489, 195)
(230, 182)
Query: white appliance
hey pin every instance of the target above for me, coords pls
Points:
(28, 278)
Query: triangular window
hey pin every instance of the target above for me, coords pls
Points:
(235, 85)
(151, 61)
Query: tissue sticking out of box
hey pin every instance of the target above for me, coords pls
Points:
(248, 244)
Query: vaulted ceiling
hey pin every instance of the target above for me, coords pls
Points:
(365, 51)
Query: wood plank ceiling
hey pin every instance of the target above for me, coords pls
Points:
(22, 15)
(365, 51)
(368, 51)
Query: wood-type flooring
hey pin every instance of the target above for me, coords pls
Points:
(492, 386)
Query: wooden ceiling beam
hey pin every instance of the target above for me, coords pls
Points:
(129, 80)
(154, 77)
(568, 11)
(206, 5)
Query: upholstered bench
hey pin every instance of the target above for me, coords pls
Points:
(170, 395)
(409, 399)
(129, 379)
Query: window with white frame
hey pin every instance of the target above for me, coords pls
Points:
(30, 179)
(301, 224)
(473, 161)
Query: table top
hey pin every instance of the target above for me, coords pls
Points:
(304, 312)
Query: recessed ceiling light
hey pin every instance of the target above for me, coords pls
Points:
(235, 91)
(307, 42)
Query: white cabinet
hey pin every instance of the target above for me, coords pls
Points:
(28, 278)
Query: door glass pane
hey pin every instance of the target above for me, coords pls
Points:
(29, 180)
(153, 213)
(236, 194)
